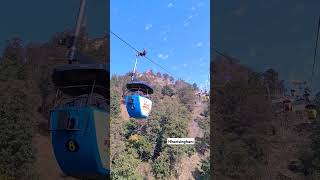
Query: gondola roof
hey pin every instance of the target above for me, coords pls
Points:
(141, 86)
(81, 74)
(84, 75)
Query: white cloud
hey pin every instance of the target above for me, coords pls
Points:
(186, 24)
(163, 56)
(199, 44)
(194, 13)
(170, 5)
(148, 26)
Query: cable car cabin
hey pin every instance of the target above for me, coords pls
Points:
(205, 98)
(78, 122)
(137, 102)
(311, 111)
(287, 106)
(292, 92)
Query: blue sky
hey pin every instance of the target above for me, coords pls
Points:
(175, 33)
(269, 34)
(38, 20)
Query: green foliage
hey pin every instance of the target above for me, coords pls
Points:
(187, 96)
(144, 147)
(17, 109)
(124, 165)
(161, 166)
(315, 146)
(271, 80)
(190, 150)
(117, 132)
(167, 91)
(242, 114)
(204, 124)
(236, 158)
(12, 64)
(195, 87)
(16, 131)
(172, 117)
(168, 119)
(114, 104)
(205, 169)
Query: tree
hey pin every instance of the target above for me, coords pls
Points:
(16, 130)
(144, 148)
(204, 124)
(12, 64)
(195, 87)
(165, 76)
(167, 91)
(114, 103)
(161, 166)
(271, 80)
(124, 165)
(171, 79)
(187, 96)
(205, 169)
(242, 115)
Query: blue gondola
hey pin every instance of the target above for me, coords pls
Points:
(78, 120)
(137, 102)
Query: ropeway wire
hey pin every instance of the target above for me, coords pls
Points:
(137, 51)
(315, 50)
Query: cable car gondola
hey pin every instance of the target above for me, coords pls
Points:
(79, 118)
(78, 121)
(311, 111)
(137, 102)
(292, 92)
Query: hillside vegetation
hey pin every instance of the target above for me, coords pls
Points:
(173, 105)
(254, 139)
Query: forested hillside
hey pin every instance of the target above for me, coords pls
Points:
(253, 138)
(174, 105)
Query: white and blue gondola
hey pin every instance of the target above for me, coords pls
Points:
(138, 103)
(79, 123)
